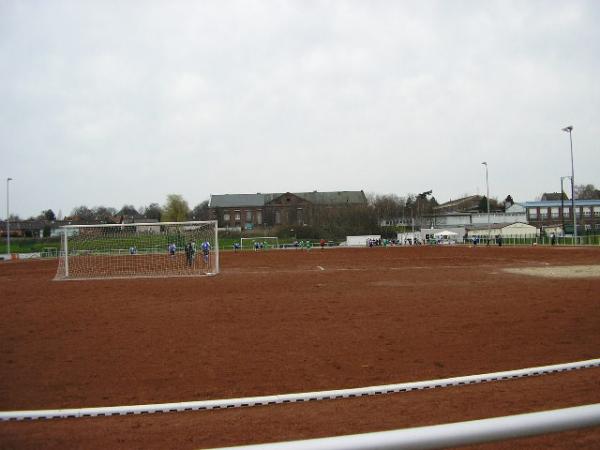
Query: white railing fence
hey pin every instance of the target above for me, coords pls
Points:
(451, 434)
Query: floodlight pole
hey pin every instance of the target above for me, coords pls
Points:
(8, 217)
(562, 201)
(487, 184)
(569, 129)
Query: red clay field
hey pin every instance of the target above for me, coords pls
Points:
(279, 322)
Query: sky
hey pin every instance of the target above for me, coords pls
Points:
(125, 102)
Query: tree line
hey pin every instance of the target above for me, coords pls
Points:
(387, 208)
(175, 209)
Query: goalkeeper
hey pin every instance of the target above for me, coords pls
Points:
(190, 252)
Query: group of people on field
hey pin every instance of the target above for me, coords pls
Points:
(190, 251)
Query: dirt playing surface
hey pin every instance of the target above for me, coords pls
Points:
(294, 321)
(559, 272)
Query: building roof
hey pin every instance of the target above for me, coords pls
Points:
(554, 196)
(557, 203)
(232, 200)
(484, 226)
(460, 204)
(315, 197)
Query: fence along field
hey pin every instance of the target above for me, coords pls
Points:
(273, 323)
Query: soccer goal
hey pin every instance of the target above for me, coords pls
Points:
(264, 243)
(138, 250)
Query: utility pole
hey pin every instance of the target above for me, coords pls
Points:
(569, 129)
(8, 217)
(487, 184)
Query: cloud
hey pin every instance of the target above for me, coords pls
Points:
(126, 102)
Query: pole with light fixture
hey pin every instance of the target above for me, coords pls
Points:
(8, 217)
(569, 129)
(562, 201)
(487, 184)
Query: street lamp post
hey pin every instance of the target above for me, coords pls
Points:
(569, 129)
(562, 201)
(487, 184)
(8, 217)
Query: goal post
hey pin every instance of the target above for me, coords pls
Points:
(264, 242)
(138, 250)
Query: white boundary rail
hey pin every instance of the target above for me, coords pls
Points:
(451, 434)
(293, 398)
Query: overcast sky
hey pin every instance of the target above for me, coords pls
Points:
(124, 102)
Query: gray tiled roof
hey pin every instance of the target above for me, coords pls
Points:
(556, 203)
(491, 225)
(231, 200)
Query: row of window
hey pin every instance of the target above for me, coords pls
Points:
(255, 216)
(554, 213)
(249, 216)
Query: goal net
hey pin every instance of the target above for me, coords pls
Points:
(259, 243)
(136, 250)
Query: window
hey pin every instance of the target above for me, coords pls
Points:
(544, 213)
(259, 217)
(597, 226)
(588, 227)
(226, 216)
(533, 214)
(554, 213)
(567, 211)
(597, 211)
(587, 211)
(299, 216)
(248, 216)
(237, 216)
(278, 217)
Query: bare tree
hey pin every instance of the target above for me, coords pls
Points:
(82, 213)
(104, 214)
(152, 211)
(201, 211)
(586, 192)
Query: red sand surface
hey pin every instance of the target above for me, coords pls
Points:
(294, 321)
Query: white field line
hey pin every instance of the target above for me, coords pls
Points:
(294, 398)
(320, 268)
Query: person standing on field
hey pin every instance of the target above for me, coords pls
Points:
(205, 251)
(189, 253)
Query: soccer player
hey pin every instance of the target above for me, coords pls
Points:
(172, 249)
(190, 251)
(205, 251)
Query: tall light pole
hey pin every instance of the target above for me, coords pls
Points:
(487, 184)
(569, 129)
(8, 217)
(562, 201)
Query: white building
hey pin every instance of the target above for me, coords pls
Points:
(517, 229)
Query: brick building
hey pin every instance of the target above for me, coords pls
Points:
(556, 213)
(249, 211)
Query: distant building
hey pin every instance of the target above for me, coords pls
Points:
(465, 204)
(492, 230)
(549, 196)
(557, 213)
(249, 211)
